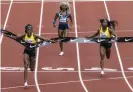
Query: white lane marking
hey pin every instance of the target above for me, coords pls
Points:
(99, 69)
(1, 35)
(8, 13)
(118, 53)
(53, 71)
(66, 82)
(77, 49)
(37, 54)
(39, 1)
(130, 68)
(62, 69)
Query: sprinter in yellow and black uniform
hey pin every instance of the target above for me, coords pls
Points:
(105, 48)
(29, 54)
(105, 33)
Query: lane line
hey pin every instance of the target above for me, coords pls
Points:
(1, 35)
(77, 49)
(66, 71)
(37, 54)
(67, 82)
(39, 1)
(0, 46)
(24, 2)
(6, 20)
(118, 53)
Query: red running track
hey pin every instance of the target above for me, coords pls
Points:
(57, 81)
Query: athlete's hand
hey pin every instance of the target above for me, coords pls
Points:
(114, 38)
(70, 26)
(2, 31)
(54, 22)
(54, 25)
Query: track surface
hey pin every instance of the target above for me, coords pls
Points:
(88, 14)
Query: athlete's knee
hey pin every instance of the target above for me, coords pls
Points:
(26, 67)
(108, 54)
(102, 57)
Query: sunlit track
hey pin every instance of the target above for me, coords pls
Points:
(66, 82)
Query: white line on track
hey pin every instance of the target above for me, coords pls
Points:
(37, 54)
(6, 20)
(39, 1)
(77, 49)
(67, 82)
(1, 35)
(66, 71)
(118, 53)
(0, 47)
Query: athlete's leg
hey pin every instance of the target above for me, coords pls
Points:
(108, 53)
(108, 50)
(26, 65)
(65, 33)
(102, 55)
(60, 34)
(32, 63)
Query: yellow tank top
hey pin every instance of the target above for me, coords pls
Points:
(30, 39)
(105, 34)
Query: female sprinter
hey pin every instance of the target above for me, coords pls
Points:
(29, 54)
(105, 48)
(64, 17)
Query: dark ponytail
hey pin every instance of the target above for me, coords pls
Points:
(111, 23)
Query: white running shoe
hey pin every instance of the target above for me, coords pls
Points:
(61, 53)
(102, 73)
(26, 84)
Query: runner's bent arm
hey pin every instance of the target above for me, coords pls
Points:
(55, 18)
